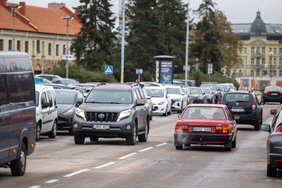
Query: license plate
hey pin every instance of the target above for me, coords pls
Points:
(201, 129)
(236, 117)
(237, 110)
(101, 127)
(274, 94)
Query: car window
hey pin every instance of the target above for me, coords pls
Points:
(110, 96)
(213, 113)
(173, 91)
(44, 100)
(235, 97)
(3, 90)
(65, 97)
(155, 92)
(50, 98)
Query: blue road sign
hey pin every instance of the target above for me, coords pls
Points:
(108, 69)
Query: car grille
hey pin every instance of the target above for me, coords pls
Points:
(101, 116)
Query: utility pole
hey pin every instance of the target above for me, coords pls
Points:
(122, 41)
(67, 18)
(187, 46)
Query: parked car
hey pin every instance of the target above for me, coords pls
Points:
(161, 101)
(214, 88)
(64, 81)
(17, 111)
(113, 110)
(67, 101)
(274, 143)
(198, 95)
(49, 77)
(177, 96)
(210, 96)
(271, 94)
(190, 99)
(206, 124)
(150, 103)
(46, 111)
(228, 87)
(245, 107)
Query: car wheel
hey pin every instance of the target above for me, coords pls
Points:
(257, 125)
(18, 165)
(94, 138)
(38, 130)
(144, 137)
(271, 171)
(178, 146)
(79, 138)
(131, 138)
(228, 146)
(234, 143)
(53, 132)
(170, 111)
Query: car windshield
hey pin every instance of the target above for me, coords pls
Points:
(199, 112)
(68, 81)
(273, 88)
(65, 97)
(207, 91)
(110, 97)
(196, 91)
(236, 97)
(155, 92)
(173, 91)
(36, 98)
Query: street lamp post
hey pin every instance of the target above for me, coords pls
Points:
(187, 46)
(67, 18)
(13, 7)
(122, 41)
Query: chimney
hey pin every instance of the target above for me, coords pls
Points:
(23, 8)
(56, 5)
(3, 3)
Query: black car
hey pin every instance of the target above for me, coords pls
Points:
(113, 110)
(67, 100)
(244, 107)
(198, 95)
(271, 94)
(274, 143)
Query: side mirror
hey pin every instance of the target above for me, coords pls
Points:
(79, 102)
(266, 128)
(140, 102)
(273, 111)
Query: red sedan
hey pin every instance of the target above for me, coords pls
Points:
(206, 124)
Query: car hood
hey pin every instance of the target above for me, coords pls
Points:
(64, 107)
(96, 107)
(157, 100)
(174, 96)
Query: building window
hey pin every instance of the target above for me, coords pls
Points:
(57, 49)
(280, 61)
(274, 50)
(252, 72)
(274, 61)
(257, 61)
(38, 46)
(49, 49)
(19, 45)
(263, 50)
(1, 45)
(253, 50)
(10, 46)
(263, 61)
(270, 49)
(280, 51)
(252, 61)
(258, 71)
(245, 50)
(26, 47)
(274, 73)
(280, 72)
(258, 50)
(64, 49)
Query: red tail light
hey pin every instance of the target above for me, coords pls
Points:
(221, 102)
(278, 130)
(254, 106)
(222, 129)
(181, 128)
(280, 93)
(266, 92)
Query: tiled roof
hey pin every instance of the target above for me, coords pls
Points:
(38, 19)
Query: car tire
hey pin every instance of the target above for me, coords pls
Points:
(94, 138)
(53, 132)
(38, 131)
(18, 165)
(228, 146)
(79, 138)
(170, 111)
(144, 137)
(271, 171)
(257, 125)
(131, 138)
(178, 146)
(234, 143)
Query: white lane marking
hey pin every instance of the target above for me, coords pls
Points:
(159, 145)
(126, 156)
(104, 165)
(146, 149)
(75, 173)
(51, 181)
(36, 186)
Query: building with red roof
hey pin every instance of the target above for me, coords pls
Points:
(41, 32)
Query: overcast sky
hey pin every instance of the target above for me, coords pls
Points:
(237, 11)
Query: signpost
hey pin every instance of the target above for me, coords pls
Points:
(210, 66)
(139, 72)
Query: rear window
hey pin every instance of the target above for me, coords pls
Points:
(198, 112)
(235, 97)
(273, 88)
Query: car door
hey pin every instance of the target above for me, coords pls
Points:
(53, 107)
(47, 121)
(140, 110)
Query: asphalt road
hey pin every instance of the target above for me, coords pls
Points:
(111, 163)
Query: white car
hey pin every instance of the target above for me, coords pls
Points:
(161, 101)
(178, 97)
(46, 111)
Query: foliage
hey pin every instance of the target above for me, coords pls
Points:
(94, 43)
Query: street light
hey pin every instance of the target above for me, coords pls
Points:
(122, 41)
(67, 18)
(13, 8)
(187, 46)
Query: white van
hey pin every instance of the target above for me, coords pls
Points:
(46, 111)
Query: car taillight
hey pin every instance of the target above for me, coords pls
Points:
(223, 129)
(181, 128)
(221, 102)
(254, 106)
(278, 130)
(266, 92)
(280, 92)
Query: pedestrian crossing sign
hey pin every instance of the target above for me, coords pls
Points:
(108, 69)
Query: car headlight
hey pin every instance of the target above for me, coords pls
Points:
(162, 102)
(80, 113)
(68, 112)
(124, 114)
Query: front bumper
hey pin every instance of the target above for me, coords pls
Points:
(65, 122)
(159, 109)
(202, 139)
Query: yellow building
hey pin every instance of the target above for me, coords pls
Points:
(261, 53)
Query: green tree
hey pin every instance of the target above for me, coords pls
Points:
(94, 43)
